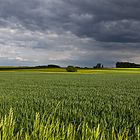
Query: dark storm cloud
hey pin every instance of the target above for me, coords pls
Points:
(71, 31)
(112, 20)
(104, 20)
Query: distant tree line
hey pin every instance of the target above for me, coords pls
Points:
(127, 65)
(48, 66)
(72, 68)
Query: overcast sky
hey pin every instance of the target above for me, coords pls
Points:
(69, 32)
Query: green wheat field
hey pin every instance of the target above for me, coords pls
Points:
(87, 105)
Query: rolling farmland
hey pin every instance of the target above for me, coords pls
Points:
(69, 106)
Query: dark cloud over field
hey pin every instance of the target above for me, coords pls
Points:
(77, 32)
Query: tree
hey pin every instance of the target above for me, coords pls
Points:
(98, 66)
(71, 69)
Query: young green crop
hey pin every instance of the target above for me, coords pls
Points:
(108, 101)
(53, 129)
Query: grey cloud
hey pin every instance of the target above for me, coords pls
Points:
(114, 21)
(82, 31)
(104, 20)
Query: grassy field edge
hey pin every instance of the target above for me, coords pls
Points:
(79, 71)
